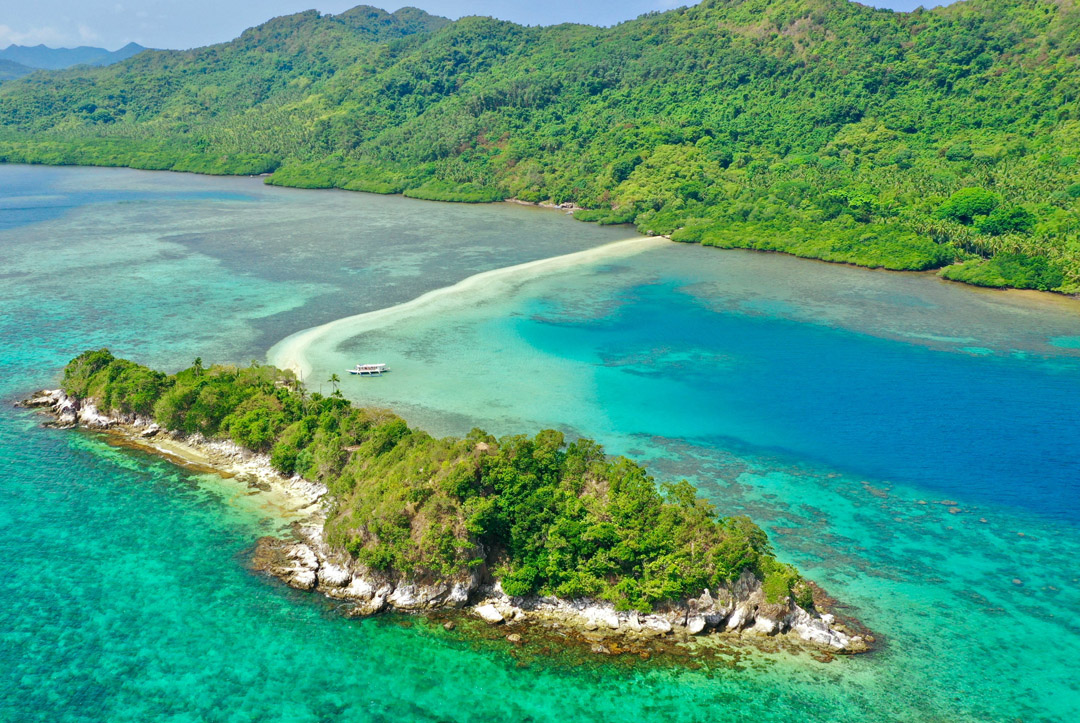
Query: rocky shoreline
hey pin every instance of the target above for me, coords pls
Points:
(568, 208)
(738, 611)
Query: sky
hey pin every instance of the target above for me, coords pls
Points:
(192, 23)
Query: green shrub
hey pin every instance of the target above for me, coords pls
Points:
(606, 216)
(873, 245)
(284, 457)
(1008, 270)
(1008, 219)
(521, 582)
(458, 193)
(968, 203)
(257, 429)
(959, 152)
(779, 580)
(804, 596)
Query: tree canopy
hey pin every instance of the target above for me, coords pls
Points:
(542, 514)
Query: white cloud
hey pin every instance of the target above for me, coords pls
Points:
(47, 35)
(87, 34)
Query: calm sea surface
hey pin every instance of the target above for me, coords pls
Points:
(912, 445)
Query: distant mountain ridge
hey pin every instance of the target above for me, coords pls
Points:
(46, 58)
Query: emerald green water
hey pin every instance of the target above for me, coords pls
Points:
(825, 402)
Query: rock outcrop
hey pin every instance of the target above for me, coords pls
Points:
(740, 609)
(221, 455)
(306, 563)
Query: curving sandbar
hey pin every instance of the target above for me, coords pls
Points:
(293, 351)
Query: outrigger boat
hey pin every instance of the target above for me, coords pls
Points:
(368, 370)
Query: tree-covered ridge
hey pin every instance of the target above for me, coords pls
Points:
(817, 127)
(10, 70)
(544, 515)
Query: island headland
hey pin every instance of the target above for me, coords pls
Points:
(519, 530)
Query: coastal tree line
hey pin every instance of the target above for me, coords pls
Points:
(816, 127)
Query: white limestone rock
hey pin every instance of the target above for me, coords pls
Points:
(89, 416)
(332, 575)
(816, 630)
(409, 597)
(764, 626)
(608, 619)
(359, 588)
(293, 562)
(657, 624)
(151, 430)
(458, 595)
(489, 613)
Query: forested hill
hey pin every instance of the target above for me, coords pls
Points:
(819, 127)
(9, 70)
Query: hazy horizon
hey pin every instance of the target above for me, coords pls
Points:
(113, 24)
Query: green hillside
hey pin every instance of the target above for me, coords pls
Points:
(817, 127)
(9, 70)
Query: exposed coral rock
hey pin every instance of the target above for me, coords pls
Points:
(695, 625)
(292, 562)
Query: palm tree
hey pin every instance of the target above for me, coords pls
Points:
(300, 389)
(334, 381)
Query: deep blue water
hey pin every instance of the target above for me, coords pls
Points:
(990, 428)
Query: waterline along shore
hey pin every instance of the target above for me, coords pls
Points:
(748, 601)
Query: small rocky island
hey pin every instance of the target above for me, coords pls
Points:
(517, 530)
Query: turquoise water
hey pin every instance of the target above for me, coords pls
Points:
(838, 407)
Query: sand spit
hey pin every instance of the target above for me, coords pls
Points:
(292, 352)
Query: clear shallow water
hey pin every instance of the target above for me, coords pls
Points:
(772, 382)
